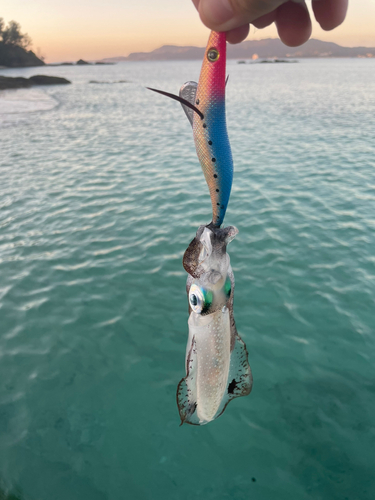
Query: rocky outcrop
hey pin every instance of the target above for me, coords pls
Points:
(48, 80)
(7, 82)
(12, 56)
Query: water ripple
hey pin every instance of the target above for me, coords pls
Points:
(99, 201)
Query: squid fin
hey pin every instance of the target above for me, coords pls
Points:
(188, 92)
(240, 379)
(186, 390)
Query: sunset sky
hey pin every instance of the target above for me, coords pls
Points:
(66, 30)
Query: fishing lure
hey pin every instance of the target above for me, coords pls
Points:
(204, 105)
(217, 368)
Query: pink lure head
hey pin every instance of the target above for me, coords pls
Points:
(213, 76)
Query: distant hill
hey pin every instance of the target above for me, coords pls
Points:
(13, 56)
(267, 48)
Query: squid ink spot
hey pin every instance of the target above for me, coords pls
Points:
(197, 102)
(204, 125)
(192, 408)
(253, 479)
(213, 160)
(215, 175)
(232, 386)
(210, 143)
(217, 190)
(218, 204)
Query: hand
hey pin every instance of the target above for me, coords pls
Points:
(291, 17)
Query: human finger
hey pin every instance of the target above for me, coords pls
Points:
(293, 23)
(329, 13)
(266, 20)
(225, 15)
(238, 35)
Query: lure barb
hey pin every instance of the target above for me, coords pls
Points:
(184, 102)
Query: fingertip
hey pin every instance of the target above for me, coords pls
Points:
(264, 21)
(330, 13)
(225, 15)
(238, 35)
(293, 24)
(216, 14)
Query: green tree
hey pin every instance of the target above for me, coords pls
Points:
(12, 35)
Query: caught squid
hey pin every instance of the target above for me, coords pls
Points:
(217, 368)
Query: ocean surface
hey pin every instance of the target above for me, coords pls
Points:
(100, 194)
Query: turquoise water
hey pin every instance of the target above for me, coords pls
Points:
(100, 194)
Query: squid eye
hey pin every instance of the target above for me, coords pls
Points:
(199, 299)
(196, 299)
(193, 300)
(212, 55)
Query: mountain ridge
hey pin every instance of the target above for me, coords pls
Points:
(265, 48)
